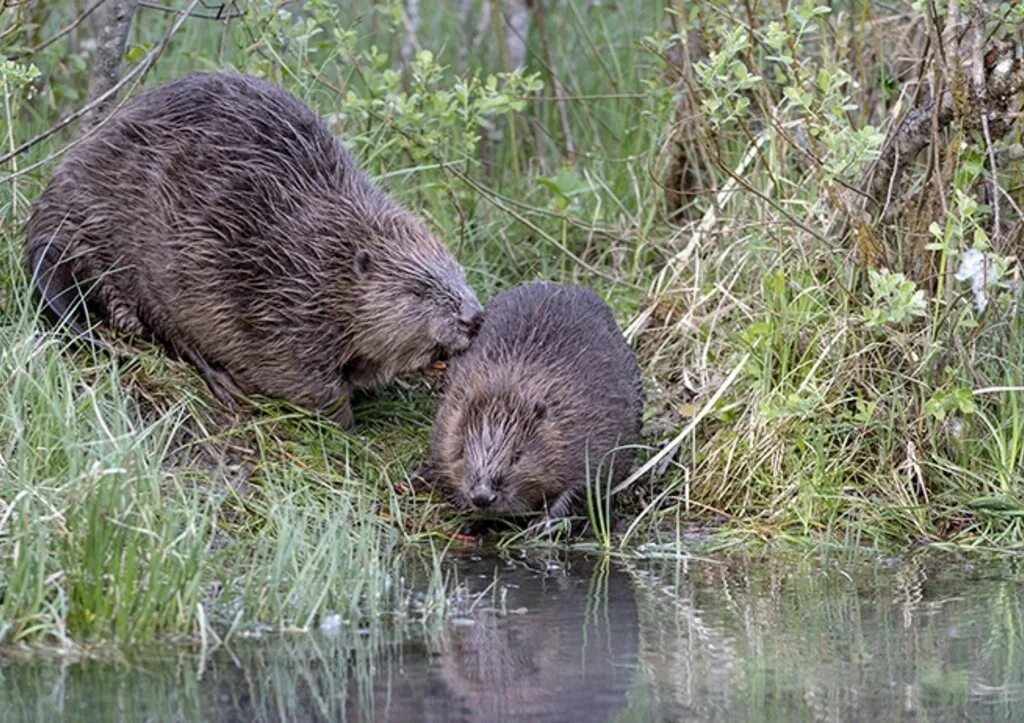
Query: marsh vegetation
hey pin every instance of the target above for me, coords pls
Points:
(807, 220)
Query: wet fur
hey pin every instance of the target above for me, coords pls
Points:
(218, 215)
(544, 395)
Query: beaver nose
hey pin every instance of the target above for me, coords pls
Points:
(471, 315)
(481, 497)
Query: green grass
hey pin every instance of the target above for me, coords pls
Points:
(804, 406)
(128, 514)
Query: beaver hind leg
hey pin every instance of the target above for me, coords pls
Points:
(219, 380)
(339, 411)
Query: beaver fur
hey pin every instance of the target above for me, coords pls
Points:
(218, 215)
(547, 396)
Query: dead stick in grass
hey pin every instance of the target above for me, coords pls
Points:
(673, 445)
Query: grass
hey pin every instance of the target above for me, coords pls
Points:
(124, 519)
(808, 399)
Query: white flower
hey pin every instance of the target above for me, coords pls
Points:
(981, 270)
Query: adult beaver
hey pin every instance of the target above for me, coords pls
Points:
(218, 215)
(547, 396)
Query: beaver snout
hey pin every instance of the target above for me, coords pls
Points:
(482, 497)
(479, 489)
(471, 316)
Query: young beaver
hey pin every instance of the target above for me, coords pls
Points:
(548, 394)
(218, 215)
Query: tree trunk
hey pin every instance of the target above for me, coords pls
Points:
(115, 23)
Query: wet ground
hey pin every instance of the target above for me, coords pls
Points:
(725, 637)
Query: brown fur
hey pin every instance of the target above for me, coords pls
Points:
(218, 215)
(548, 394)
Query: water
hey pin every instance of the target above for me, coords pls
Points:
(924, 638)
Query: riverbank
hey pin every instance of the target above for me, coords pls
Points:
(797, 391)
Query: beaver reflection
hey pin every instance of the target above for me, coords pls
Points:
(569, 653)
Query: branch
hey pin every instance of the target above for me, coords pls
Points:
(911, 136)
(143, 66)
(219, 15)
(115, 26)
(60, 33)
(984, 104)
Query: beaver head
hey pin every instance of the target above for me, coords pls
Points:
(411, 304)
(504, 453)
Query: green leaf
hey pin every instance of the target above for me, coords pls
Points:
(135, 53)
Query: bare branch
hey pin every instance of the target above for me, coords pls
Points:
(221, 13)
(60, 33)
(115, 25)
(984, 105)
(143, 65)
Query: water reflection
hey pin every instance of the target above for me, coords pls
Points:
(926, 638)
(552, 641)
(731, 638)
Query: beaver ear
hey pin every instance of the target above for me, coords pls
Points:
(362, 262)
(540, 410)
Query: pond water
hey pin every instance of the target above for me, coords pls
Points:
(727, 637)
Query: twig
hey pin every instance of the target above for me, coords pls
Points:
(563, 113)
(501, 203)
(220, 15)
(996, 390)
(143, 65)
(672, 446)
(10, 141)
(728, 190)
(60, 33)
